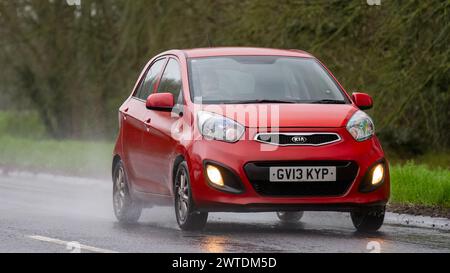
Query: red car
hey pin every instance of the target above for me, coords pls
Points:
(247, 130)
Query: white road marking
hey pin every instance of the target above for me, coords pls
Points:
(67, 243)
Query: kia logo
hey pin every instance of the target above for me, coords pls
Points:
(299, 139)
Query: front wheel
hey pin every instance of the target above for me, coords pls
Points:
(187, 217)
(125, 209)
(368, 220)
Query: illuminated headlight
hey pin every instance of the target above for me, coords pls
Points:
(377, 174)
(217, 127)
(214, 175)
(361, 126)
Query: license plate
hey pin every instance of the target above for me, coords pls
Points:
(302, 174)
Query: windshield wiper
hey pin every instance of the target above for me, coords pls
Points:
(261, 101)
(328, 101)
(324, 101)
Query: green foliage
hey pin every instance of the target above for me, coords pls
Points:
(418, 184)
(434, 160)
(75, 65)
(80, 158)
(21, 124)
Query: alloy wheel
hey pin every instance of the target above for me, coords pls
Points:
(119, 191)
(183, 197)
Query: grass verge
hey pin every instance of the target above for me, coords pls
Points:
(78, 158)
(419, 185)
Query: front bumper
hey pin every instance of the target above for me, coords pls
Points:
(239, 155)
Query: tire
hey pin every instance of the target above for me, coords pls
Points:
(187, 217)
(125, 209)
(368, 220)
(290, 216)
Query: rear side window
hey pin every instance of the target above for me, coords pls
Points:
(148, 85)
(171, 80)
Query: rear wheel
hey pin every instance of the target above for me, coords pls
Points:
(125, 210)
(290, 216)
(368, 220)
(187, 217)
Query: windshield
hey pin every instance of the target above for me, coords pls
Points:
(261, 79)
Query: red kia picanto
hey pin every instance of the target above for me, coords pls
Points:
(247, 130)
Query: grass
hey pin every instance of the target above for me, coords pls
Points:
(21, 123)
(420, 185)
(66, 157)
(24, 145)
(434, 160)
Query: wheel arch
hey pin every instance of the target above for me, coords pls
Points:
(116, 160)
(180, 158)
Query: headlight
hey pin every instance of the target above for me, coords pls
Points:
(217, 127)
(360, 126)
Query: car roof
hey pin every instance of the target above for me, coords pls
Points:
(243, 51)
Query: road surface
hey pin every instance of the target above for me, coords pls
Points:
(56, 214)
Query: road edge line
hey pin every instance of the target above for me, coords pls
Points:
(67, 243)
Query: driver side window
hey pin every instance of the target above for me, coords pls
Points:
(148, 84)
(171, 80)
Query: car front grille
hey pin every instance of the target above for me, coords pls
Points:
(297, 139)
(258, 175)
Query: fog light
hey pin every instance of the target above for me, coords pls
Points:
(214, 175)
(377, 174)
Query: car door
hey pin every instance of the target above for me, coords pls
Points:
(158, 143)
(134, 126)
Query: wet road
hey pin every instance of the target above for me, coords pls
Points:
(44, 213)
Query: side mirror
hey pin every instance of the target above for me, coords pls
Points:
(362, 100)
(160, 101)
